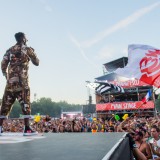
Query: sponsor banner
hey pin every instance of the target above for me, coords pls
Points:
(124, 106)
(129, 83)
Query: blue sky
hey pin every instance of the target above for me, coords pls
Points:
(74, 38)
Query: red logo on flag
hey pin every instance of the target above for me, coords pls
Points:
(150, 68)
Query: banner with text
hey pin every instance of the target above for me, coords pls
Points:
(129, 83)
(124, 106)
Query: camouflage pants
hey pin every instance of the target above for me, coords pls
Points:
(9, 97)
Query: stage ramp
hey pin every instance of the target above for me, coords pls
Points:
(68, 146)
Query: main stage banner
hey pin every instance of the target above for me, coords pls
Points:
(129, 83)
(124, 106)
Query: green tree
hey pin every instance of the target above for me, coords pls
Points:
(16, 110)
(45, 106)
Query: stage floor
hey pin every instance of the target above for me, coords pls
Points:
(60, 146)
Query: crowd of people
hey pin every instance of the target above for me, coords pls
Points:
(143, 131)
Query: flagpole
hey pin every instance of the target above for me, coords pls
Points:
(153, 96)
(155, 110)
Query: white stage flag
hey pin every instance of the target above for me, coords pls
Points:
(143, 64)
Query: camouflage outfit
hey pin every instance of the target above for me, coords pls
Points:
(16, 60)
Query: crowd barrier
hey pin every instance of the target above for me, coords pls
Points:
(120, 151)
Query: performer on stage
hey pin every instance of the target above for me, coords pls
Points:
(14, 66)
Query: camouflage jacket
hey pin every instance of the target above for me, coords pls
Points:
(15, 65)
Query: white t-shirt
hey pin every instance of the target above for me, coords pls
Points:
(155, 148)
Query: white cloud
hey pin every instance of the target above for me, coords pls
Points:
(78, 45)
(125, 51)
(122, 24)
(106, 53)
(110, 52)
(47, 7)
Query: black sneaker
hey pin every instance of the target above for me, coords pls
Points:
(28, 131)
